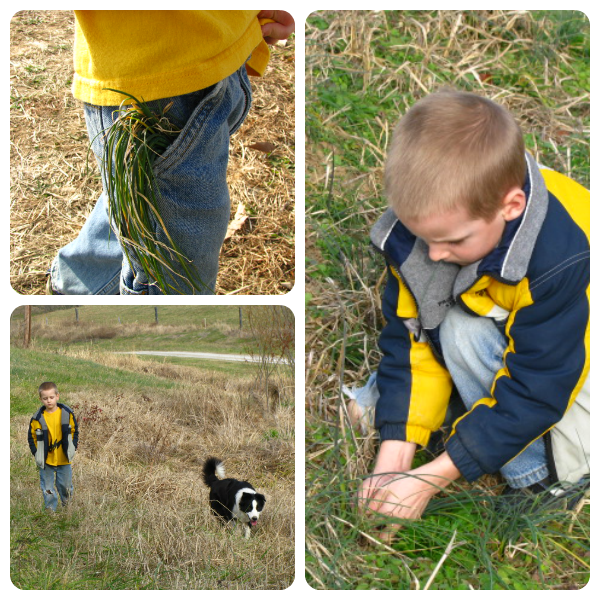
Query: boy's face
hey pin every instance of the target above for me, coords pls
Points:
(49, 399)
(456, 237)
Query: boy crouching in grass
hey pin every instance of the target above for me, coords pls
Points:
(52, 438)
(488, 292)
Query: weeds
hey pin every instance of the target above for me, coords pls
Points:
(132, 143)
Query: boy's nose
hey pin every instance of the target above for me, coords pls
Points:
(437, 253)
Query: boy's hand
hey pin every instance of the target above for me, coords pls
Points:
(403, 495)
(406, 495)
(281, 29)
(394, 457)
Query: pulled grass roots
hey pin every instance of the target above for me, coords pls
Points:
(132, 144)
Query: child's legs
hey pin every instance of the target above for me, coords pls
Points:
(90, 264)
(192, 181)
(473, 350)
(64, 482)
(47, 485)
(194, 202)
(59, 477)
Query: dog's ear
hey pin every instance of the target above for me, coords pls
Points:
(261, 497)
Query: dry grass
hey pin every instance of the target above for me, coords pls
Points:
(138, 489)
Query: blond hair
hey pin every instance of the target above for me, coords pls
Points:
(47, 385)
(454, 149)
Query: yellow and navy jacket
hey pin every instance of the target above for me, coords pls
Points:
(535, 283)
(38, 438)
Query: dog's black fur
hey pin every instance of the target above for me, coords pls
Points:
(232, 499)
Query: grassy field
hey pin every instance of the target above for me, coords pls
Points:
(364, 69)
(146, 427)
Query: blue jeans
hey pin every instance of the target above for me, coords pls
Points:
(193, 198)
(473, 350)
(61, 477)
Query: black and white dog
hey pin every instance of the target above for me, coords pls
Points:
(232, 499)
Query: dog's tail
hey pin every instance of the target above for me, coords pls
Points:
(212, 468)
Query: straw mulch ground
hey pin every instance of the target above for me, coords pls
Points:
(53, 188)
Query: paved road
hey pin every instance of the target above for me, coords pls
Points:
(207, 355)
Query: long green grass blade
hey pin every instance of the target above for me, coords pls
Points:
(132, 144)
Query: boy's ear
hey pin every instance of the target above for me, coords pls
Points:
(513, 204)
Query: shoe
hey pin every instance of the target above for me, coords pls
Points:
(575, 493)
(49, 290)
(543, 496)
(361, 404)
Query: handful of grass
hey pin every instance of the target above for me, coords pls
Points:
(134, 141)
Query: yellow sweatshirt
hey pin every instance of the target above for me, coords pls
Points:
(154, 54)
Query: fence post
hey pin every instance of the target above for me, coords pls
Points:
(156, 314)
(27, 326)
(76, 315)
(240, 309)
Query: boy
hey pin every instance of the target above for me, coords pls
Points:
(52, 438)
(488, 291)
(196, 62)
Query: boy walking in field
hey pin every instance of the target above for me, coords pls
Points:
(488, 293)
(52, 437)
